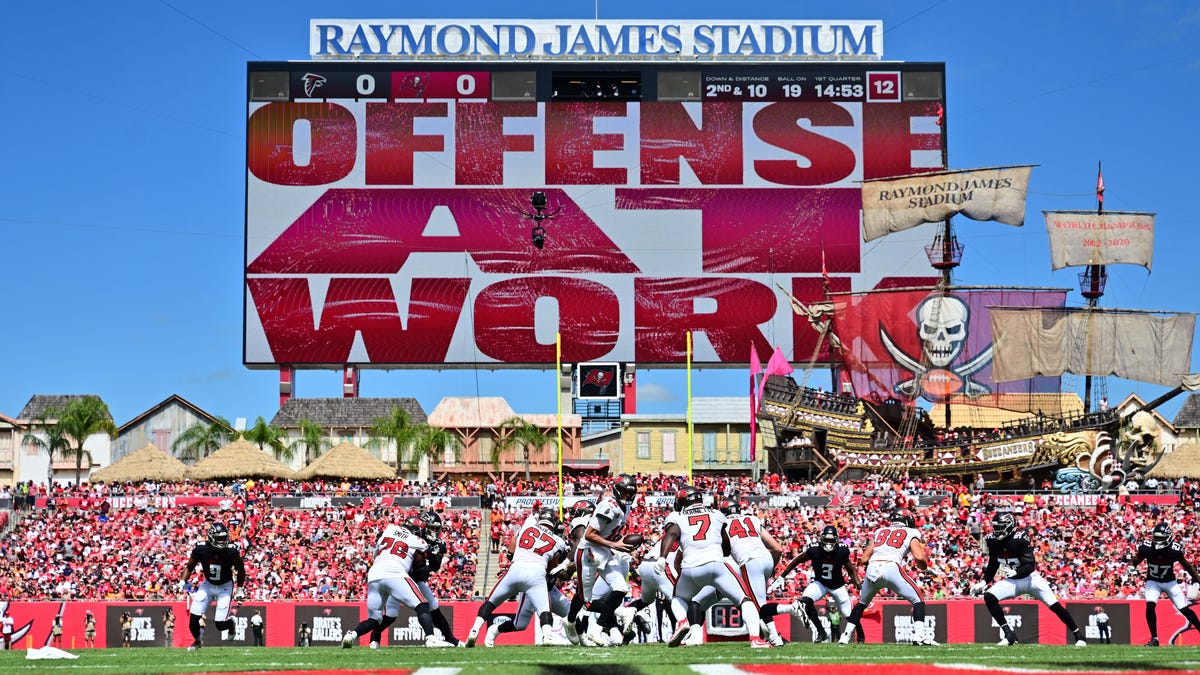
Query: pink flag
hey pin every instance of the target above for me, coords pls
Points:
(755, 369)
(776, 365)
(1099, 185)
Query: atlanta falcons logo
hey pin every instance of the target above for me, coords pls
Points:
(598, 377)
(312, 82)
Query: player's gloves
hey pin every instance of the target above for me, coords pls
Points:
(1005, 572)
(776, 585)
(561, 568)
(660, 566)
(239, 594)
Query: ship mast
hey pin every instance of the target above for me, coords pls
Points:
(1091, 286)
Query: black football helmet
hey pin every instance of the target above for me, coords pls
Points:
(625, 489)
(433, 525)
(829, 538)
(688, 495)
(902, 517)
(728, 507)
(1004, 524)
(582, 509)
(218, 535)
(547, 519)
(415, 524)
(1162, 536)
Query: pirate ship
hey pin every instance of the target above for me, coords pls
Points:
(968, 381)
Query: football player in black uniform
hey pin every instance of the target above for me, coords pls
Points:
(1010, 548)
(1160, 554)
(829, 558)
(421, 571)
(218, 562)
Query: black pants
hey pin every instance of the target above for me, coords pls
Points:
(258, 636)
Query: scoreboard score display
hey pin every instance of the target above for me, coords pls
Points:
(388, 206)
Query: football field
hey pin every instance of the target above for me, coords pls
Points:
(710, 659)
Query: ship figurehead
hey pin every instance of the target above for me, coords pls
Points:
(943, 322)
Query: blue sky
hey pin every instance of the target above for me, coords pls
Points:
(123, 169)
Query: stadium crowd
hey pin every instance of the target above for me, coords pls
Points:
(92, 551)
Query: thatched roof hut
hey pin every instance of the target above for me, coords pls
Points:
(1182, 462)
(148, 463)
(347, 460)
(239, 459)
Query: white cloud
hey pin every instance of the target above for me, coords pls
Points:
(654, 393)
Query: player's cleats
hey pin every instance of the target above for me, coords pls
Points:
(549, 639)
(473, 635)
(1153, 642)
(198, 644)
(847, 634)
(1007, 641)
(1081, 643)
(625, 619)
(348, 639)
(436, 640)
(493, 630)
(695, 636)
(759, 643)
(801, 615)
(571, 632)
(681, 632)
(373, 645)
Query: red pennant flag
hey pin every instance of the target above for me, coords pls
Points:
(776, 365)
(1099, 184)
(824, 271)
(941, 115)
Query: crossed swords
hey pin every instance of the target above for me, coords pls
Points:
(911, 387)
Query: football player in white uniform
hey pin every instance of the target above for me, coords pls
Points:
(604, 556)
(389, 585)
(756, 552)
(889, 547)
(704, 543)
(535, 549)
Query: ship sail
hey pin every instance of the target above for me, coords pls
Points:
(896, 204)
(1049, 341)
(1079, 238)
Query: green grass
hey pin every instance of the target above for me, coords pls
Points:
(648, 659)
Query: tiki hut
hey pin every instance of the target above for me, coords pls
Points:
(149, 463)
(239, 459)
(347, 460)
(1182, 462)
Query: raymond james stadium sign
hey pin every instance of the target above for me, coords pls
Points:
(652, 39)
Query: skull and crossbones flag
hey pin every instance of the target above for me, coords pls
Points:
(930, 344)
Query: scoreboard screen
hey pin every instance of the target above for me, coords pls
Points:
(389, 220)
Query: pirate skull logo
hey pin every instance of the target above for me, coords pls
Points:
(943, 328)
(942, 322)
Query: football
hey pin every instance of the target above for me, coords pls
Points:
(634, 540)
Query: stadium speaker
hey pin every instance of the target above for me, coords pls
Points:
(922, 86)
(271, 86)
(514, 86)
(679, 85)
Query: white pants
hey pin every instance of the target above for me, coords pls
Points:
(817, 590)
(887, 574)
(719, 575)
(208, 593)
(654, 583)
(1172, 589)
(1033, 585)
(602, 563)
(559, 604)
(527, 579)
(385, 596)
(756, 573)
(428, 594)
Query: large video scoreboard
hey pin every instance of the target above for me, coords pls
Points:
(388, 204)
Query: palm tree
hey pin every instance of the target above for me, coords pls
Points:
(201, 440)
(515, 432)
(433, 442)
(54, 442)
(313, 440)
(268, 436)
(82, 418)
(397, 429)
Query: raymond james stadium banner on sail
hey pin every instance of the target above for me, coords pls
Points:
(559, 39)
(1080, 238)
(895, 204)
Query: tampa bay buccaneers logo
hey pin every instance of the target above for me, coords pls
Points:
(312, 82)
(598, 377)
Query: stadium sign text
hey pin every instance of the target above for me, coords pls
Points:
(652, 39)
